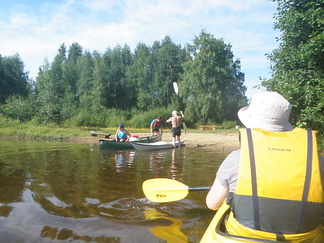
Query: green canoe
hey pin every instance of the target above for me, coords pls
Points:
(112, 144)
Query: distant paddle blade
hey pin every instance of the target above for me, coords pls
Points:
(175, 87)
(164, 190)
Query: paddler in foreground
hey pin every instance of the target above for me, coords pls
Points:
(274, 183)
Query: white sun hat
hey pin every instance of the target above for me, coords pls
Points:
(267, 110)
(174, 113)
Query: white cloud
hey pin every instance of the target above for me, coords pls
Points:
(100, 5)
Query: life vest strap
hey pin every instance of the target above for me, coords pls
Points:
(254, 182)
(280, 237)
(303, 208)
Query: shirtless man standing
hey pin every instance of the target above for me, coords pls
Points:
(176, 130)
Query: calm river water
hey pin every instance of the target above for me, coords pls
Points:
(52, 191)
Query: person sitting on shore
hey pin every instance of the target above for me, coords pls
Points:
(176, 129)
(122, 135)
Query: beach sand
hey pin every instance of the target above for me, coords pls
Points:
(225, 142)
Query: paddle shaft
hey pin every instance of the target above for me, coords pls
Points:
(199, 188)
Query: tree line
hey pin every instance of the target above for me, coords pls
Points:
(94, 89)
(298, 63)
(104, 89)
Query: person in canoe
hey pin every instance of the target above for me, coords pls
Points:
(122, 135)
(155, 126)
(274, 183)
(176, 129)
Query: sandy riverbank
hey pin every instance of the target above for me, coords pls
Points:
(220, 141)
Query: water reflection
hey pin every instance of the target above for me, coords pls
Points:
(174, 168)
(10, 192)
(67, 234)
(77, 192)
(158, 161)
(176, 164)
(170, 232)
(124, 159)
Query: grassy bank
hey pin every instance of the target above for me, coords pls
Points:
(55, 132)
(51, 131)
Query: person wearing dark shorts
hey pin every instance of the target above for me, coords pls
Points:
(176, 130)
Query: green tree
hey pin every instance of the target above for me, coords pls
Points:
(140, 75)
(71, 69)
(167, 59)
(70, 77)
(56, 72)
(125, 89)
(20, 107)
(153, 71)
(110, 74)
(13, 78)
(85, 84)
(298, 63)
(51, 89)
(48, 101)
(56, 86)
(212, 82)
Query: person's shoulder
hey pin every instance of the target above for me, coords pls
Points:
(234, 155)
(236, 152)
(231, 162)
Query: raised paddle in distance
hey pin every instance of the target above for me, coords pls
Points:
(176, 90)
(175, 87)
(167, 190)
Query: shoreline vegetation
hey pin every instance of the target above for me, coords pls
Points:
(56, 132)
(220, 139)
(225, 140)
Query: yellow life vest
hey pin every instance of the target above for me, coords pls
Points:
(279, 190)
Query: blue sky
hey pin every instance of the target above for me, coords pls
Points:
(36, 28)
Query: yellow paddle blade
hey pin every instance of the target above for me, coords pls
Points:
(164, 190)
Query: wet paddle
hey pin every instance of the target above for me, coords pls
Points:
(167, 190)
